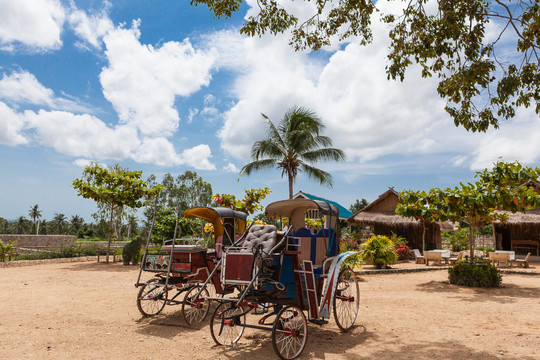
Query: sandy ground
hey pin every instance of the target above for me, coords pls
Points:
(87, 310)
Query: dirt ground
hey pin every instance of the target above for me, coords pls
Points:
(87, 310)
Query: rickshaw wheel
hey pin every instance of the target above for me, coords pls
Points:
(152, 297)
(195, 310)
(346, 300)
(289, 333)
(226, 325)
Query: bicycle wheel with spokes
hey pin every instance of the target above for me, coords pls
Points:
(227, 324)
(346, 300)
(152, 297)
(195, 309)
(289, 333)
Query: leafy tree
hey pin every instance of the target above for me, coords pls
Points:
(4, 226)
(478, 203)
(116, 188)
(187, 190)
(249, 204)
(293, 146)
(478, 76)
(194, 191)
(35, 214)
(358, 205)
(133, 226)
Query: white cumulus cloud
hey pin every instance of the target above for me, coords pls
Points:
(141, 81)
(23, 87)
(90, 28)
(81, 135)
(36, 24)
(230, 167)
(11, 126)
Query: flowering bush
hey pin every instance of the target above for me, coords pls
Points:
(480, 273)
(403, 252)
(347, 243)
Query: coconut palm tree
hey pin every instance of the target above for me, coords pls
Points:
(22, 225)
(295, 145)
(59, 221)
(76, 224)
(35, 215)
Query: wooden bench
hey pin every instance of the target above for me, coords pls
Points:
(103, 252)
(526, 245)
(497, 258)
(435, 256)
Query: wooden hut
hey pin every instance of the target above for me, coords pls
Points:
(521, 232)
(381, 216)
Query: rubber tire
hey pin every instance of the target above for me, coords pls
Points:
(345, 321)
(284, 317)
(191, 314)
(237, 327)
(159, 299)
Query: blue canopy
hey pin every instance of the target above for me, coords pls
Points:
(344, 214)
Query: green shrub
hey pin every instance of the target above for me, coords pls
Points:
(380, 251)
(480, 273)
(459, 240)
(7, 251)
(398, 240)
(352, 261)
(69, 251)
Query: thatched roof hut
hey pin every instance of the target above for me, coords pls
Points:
(381, 216)
(521, 232)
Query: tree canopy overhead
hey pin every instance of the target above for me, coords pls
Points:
(485, 53)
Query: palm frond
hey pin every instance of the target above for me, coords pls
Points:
(266, 148)
(257, 165)
(273, 133)
(323, 155)
(323, 140)
(322, 176)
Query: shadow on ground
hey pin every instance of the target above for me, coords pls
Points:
(506, 293)
(100, 266)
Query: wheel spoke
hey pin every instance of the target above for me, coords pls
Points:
(347, 300)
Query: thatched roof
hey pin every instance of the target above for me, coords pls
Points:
(527, 218)
(383, 212)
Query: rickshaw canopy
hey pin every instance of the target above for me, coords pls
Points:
(294, 210)
(215, 215)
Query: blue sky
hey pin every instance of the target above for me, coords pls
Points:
(161, 86)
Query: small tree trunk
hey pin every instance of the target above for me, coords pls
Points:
(494, 236)
(109, 234)
(423, 237)
(471, 241)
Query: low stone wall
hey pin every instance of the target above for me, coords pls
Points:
(39, 241)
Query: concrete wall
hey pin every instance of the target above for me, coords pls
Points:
(39, 241)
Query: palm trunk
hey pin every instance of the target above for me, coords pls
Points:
(290, 185)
